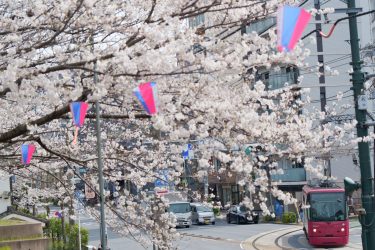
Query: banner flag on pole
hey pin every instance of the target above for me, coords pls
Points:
(79, 110)
(27, 153)
(291, 22)
(146, 93)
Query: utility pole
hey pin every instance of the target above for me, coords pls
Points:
(367, 217)
(103, 231)
(322, 79)
(319, 49)
(103, 238)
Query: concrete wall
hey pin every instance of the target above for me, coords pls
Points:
(35, 244)
(21, 231)
(4, 203)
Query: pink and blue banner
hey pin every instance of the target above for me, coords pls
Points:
(79, 110)
(291, 22)
(146, 93)
(57, 214)
(27, 151)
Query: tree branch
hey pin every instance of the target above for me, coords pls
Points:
(22, 128)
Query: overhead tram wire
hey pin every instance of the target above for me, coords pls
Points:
(331, 100)
(333, 97)
(334, 25)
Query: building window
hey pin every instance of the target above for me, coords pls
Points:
(196, 21)
(288, 164)
(217, 165)
(276, 79)
(260, 26)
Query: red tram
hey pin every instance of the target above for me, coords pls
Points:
(325, 217)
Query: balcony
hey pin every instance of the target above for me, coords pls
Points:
(290, 175)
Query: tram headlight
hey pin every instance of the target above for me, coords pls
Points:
(342, 229)
(314, 230)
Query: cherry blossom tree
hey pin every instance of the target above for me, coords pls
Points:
(206, 77)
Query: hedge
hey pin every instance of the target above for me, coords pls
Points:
(289, 217)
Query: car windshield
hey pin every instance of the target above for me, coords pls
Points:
(179, 208)
(243, 209)
(204, 209)
(328, 206)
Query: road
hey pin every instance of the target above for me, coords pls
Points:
(213, 237)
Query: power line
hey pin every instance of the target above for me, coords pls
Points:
(334, 96)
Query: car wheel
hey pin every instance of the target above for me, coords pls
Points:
(213, 223)
(187, 226)
(256, 222)
(228, 219)
(238, 220)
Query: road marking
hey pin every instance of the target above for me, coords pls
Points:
(241, 244)
(209, 237)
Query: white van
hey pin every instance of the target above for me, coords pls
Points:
(182, 211)
(201, 214)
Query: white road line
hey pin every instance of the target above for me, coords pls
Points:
(241, 244)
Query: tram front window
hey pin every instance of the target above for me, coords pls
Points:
(328, 207)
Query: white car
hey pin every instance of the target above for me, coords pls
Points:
(5, 195)
(201, 214)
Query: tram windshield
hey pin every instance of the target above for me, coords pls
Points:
(328, 207)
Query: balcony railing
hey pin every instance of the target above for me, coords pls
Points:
(290, 175)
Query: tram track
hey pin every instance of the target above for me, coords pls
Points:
(281, 236)
(253, 244)
(277, 240)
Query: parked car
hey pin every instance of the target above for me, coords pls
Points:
(241, 214)
(201, 214)
(5, 195)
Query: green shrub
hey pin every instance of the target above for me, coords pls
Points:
(25, 210)
(5, 248)
(42, 216)
(289, 217)
(268, 218)
(71, 235)
(292, 217)
(216, 211)
(285, 218)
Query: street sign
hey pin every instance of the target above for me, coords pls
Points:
(161, 184)
(188, 153)
(362, 102)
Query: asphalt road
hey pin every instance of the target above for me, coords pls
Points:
(214, 237)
